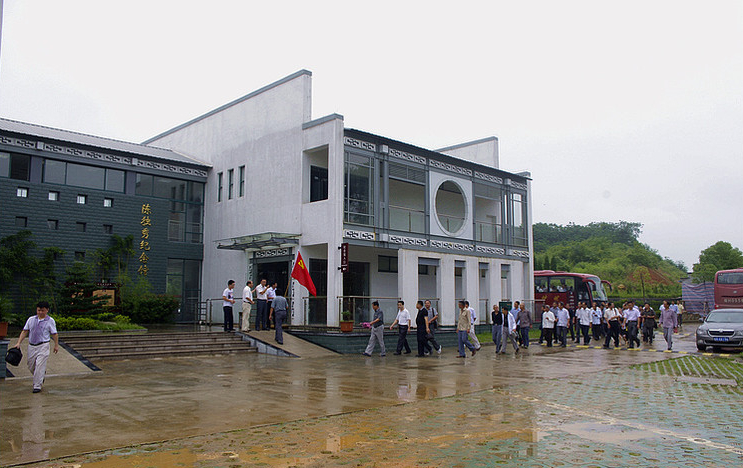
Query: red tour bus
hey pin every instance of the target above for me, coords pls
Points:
(570, 288)
(729, 289)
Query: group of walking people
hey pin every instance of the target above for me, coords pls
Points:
(608, 322)
(271, 306)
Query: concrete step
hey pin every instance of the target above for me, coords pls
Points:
(170, 353)
(91, 352)
(177, 341)
(148, 345)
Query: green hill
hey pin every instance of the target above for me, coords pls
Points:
(611, 251)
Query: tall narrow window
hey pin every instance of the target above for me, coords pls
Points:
(230, 183)
(359, 189)
(318, 183)
(219, 187)
(241, 175)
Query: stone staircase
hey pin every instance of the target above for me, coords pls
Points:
(102, 346)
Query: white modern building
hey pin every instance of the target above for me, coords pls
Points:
(442, 224)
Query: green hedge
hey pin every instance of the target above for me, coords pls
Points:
(86, 323)
(151, 309)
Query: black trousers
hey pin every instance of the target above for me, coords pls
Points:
(613, 332)
(547, 333)
(261, 315)
(402, 338)
(648, 333)
(632, 334)
(431, 340)
(586, 330)
(228, 325)
(422, 341)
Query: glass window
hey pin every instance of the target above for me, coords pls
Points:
(194, 223)
(242, 180)
(21, 192)
(86, 176)
(230, 183)
(358, 190)
(108, 202)
(20, 165)
(387, 264)
(407, 206)
(80, 227)
(732, 277)
(53, 196)
(108, 229)
(219, 187)
(318, 183)
(176, 226)
(174, 277)
(518, 216)
(52, 224)
(196, 192)
(562, 284)
(4, 164)
(173, 189)
(143, 185)
(451, 208)
(115, 180)
(21, 221)
(54, 171)
(540, 284)
(82, 199)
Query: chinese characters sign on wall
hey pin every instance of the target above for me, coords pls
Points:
(144, 242)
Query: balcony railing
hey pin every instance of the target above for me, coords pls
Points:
(488, 232)
(407, 219)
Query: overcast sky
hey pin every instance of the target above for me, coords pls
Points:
(621, 110)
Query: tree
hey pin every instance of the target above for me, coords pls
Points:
(720, 256)
(642, 274)
(76, 295)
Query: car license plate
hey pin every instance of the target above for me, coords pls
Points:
(721, 338)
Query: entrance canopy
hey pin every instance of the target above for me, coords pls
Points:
(263, 241)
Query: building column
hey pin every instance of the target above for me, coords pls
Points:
(447, 307)
(517, 282)
(472, 282)
(496, 292)
(407, 278)
(335, 284)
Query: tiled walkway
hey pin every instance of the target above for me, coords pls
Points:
(543, 407)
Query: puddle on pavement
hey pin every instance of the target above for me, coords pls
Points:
(605, 433)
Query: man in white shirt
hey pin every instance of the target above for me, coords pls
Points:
(563, 321)
(227, 302)
(512, 331)
(548, 324)
(631, 318)
(261, 316)
(611, 318)
(403, 322)
(40, 329)
(247, 306)
(584, 316)
(473, 319)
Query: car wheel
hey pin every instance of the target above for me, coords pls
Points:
(701, 347)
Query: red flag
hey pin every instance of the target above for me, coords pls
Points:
(302, 274)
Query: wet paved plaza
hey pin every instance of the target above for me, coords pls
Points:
(544, 407)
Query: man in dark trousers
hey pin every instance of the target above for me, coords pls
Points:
(421, 327)
(278, 311)
(433, 324)
(227, 302)
(403, 322)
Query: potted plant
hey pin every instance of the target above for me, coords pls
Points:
(5, 307)
(346, 322)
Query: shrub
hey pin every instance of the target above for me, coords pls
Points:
(151, 309)
(76, 323)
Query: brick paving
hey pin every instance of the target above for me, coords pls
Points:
(647, 414)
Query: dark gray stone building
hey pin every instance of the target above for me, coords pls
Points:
(76, 191)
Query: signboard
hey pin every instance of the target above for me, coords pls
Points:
(344, 257)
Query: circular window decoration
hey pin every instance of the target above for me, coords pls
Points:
(451, 208)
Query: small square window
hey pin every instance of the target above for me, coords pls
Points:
(21, 221)
(53, 196)
(80, 227)
(108, 202)
(82, 199)
(108, 229)
(53, 224)
(80, 256)
(21, 192)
